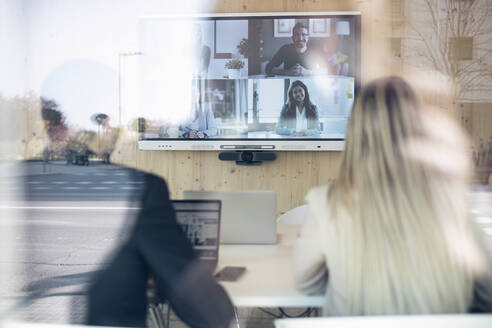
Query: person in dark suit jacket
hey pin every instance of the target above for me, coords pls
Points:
(297, 58)
(157, 248)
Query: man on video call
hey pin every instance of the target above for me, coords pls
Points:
(297, 58)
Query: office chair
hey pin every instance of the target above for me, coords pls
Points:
(159, 310)
(294, 216)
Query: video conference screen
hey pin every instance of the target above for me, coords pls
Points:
(258, 77)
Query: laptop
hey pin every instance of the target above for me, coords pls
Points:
(200, 221)
(248, 216)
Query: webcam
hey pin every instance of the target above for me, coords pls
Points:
(247, 157)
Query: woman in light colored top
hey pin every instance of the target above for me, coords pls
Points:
(299, 116)
(392, 234)
(201, 53)
(201, 121)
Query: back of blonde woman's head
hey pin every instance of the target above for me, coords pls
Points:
(399, 207)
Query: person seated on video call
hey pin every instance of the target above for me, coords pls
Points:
(201, 52)
(393, 233)
(157, 248)
(299, 116)
(201, 122)
(297, 58)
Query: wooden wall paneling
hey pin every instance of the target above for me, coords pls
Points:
(220, 175)
(319, 5)
(476, 118)
(231, 6)
(282, 182)
(375, 44)
(156, 162)
(125, 150)
(235, 6)
(300, 176)
(480, 129)
(181, 171)
(481, 122)
(329, 163)
(198, 163)
(291, 175)
(465, 110)
(481, 125)
(310, 5)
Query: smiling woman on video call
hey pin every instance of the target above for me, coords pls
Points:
(299, 116)
(392, 234)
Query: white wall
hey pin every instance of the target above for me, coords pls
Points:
(72, 49)
(12, 83)
(13, 48)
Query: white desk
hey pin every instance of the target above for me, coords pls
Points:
(390, 321)
(268, 280)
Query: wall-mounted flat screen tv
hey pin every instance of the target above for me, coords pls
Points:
(279, 81)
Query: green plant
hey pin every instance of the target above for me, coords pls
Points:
(243, 47)
(234, 63)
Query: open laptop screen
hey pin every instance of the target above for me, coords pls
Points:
(200, 221)
(238, 224)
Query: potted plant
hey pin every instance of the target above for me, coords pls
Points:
(243, 47)
(233, 66)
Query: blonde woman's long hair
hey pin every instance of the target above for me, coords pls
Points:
(399, 207)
